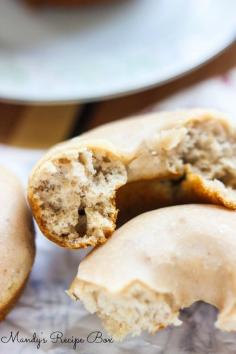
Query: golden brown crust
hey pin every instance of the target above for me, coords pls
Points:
(195, 188)
(17, 238)
(11, 303)
(38, 217)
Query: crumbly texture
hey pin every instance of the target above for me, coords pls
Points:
(75, 196)
(138, 309)
(159, 263)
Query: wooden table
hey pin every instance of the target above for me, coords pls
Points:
(39, 126)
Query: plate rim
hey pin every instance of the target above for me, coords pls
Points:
(231, 40)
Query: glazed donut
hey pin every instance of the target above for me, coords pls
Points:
(158, 263)
(16, 241)
(133, 165)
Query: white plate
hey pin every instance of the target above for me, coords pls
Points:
(103, 51)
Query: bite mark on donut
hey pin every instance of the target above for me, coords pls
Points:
(77, 195)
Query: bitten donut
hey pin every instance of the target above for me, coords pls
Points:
(133, 165)
(158, 263)
(16, 241)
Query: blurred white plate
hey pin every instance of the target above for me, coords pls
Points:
(103, 51)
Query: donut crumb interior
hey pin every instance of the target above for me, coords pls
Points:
(79, 195)
(139, 309)
(76, 196)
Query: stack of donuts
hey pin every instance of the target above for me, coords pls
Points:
(155, 195)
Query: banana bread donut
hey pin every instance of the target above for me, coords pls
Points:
(16, 241)
(159, 263)
(133, 165)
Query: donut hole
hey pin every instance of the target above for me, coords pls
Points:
(138, 197)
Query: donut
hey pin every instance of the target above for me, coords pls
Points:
(16, 241)
(132, 165)
(159, 263)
